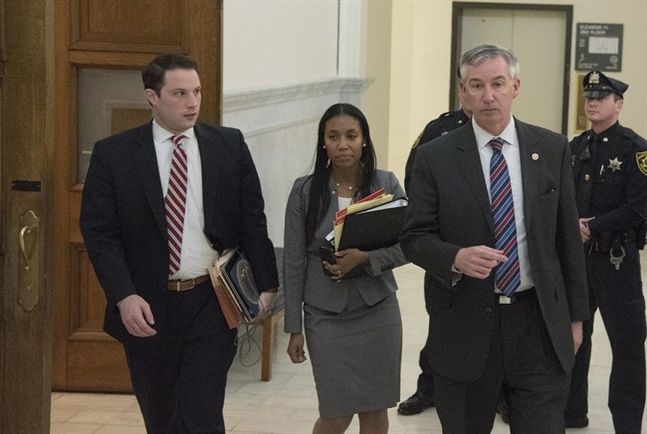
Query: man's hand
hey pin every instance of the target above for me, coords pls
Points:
(137, 316)
(265, 303)
(478, 261)
(585, 232)
(295, 348)
(578, 336)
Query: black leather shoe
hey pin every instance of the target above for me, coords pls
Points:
(502, 409)
(576, 422)
(416, 403)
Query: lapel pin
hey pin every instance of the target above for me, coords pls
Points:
(535, 156)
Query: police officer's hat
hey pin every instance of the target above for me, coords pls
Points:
(598, 85)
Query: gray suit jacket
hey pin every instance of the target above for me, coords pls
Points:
(304, 279)
(449, 208)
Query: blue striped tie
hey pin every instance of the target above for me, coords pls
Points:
(507, 276)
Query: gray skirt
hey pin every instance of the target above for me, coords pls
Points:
(355, 356)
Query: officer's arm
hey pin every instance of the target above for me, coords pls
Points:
(428, 134)
(631, 212)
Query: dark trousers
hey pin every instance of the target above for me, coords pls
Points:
(618, 295)
(179, 376)
(426, 378)
(522, 363)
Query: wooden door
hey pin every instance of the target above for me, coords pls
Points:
(101, 45)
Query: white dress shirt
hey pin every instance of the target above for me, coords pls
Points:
(197, 254)
(512, 155)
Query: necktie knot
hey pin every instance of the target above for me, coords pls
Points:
(177, 140)
(496, 144)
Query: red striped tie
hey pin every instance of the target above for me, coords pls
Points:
(175, 202)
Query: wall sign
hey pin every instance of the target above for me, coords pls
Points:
(599, 46)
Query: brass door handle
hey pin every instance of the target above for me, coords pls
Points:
(26, 230)
(28, 273)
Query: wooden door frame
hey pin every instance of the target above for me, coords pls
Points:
(27, 132)
(457, 14)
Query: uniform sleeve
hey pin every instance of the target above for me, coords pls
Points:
(430, 132)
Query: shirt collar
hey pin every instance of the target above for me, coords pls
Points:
(160, 134)
(611, 130)
(509, 134)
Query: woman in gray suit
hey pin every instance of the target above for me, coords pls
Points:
(352, 324)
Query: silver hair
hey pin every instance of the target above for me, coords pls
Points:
(484, 52)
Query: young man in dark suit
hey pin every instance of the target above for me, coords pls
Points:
(492, 218)
(160, 203)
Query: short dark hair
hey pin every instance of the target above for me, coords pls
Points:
(153, 75)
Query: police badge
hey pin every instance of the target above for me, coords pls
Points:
(594, 78)
(614, 164)
(641, 162)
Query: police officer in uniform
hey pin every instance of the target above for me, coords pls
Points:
(423, 398)
(440, 126)
(610, 169)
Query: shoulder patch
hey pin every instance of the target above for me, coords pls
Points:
(641, 162)
(417, 142)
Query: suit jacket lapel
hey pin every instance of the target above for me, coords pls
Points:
(211, 166)
(146, 163)
(530, 155)
(469, 161)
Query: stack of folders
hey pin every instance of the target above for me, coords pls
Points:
(370, 223)
(235, 287)
(375, 227)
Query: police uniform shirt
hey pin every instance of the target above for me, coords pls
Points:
(440, 126)
(610, 172)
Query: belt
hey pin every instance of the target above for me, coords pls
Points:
(185, 285)
(517, 297)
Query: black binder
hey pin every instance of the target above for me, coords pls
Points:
(236, 274)
(374, 228)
